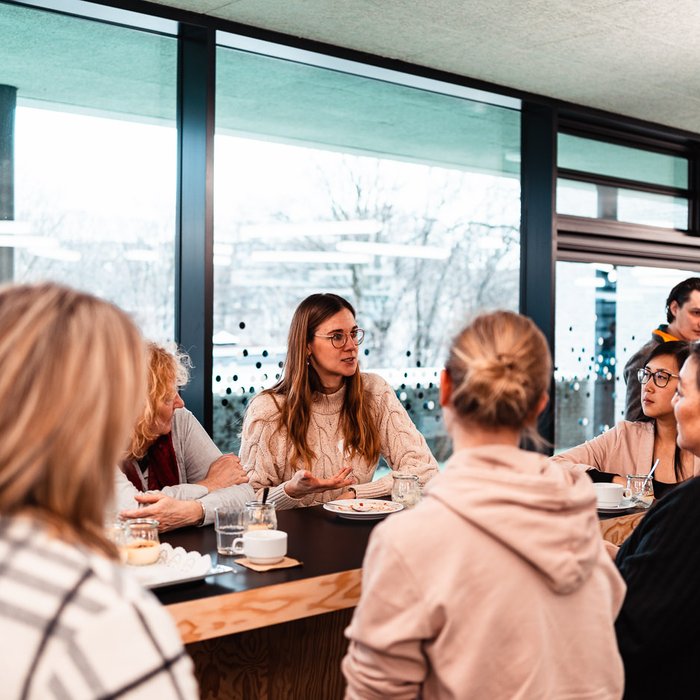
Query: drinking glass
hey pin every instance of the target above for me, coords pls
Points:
(260, 516)
(640, 490)
(230, 524)
(142, 542)
(406, 490)
(117, 533)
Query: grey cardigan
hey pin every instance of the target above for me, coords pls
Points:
(195, 452)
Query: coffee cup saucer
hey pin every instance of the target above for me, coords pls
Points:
(623, 505)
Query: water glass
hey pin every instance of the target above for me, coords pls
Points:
(406, 490)
(230, 524)
(260, 516)
(640, 490)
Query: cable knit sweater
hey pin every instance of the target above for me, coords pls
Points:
(266, 448)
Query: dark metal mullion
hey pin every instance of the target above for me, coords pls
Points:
(8, 106)
(194, 274)
(607, 181)
(694, 194)
(623, 132)
(537, 240)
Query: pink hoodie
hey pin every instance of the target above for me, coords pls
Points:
(496, 586)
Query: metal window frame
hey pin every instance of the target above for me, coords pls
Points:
(541, 119)
(194, 239)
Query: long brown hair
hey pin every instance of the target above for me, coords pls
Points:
(165, 370)
(71, 385)
(300, 382)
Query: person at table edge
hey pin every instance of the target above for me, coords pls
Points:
(173, 470)
(318, 433)
(633, 447)
(497, 585)
(74, 621)
(657, 628)
(683, 316)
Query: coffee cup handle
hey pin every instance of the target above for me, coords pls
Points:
(238, 545)
(627, 494)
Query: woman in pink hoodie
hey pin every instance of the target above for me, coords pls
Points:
(498, 584)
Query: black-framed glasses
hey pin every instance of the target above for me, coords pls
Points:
(340, 338)
(661, 377)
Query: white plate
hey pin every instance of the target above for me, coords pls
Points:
(376, 509)
(621, 508)
(176, 566)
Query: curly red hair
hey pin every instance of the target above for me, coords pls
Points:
(165, 370)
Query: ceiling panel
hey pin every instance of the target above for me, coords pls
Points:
(629, 57)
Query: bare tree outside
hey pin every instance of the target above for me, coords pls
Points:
(401, 241)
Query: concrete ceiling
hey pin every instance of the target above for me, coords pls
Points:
(633, 57)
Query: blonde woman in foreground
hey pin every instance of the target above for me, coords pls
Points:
(75, 624)
(498, 584)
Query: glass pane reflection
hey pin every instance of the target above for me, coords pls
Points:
(576, 198)
(318, 189)
(604, 313)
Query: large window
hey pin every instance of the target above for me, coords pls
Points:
(403, 200)
(93, 182)
(604, 314)
(622, 219)
(609, 181)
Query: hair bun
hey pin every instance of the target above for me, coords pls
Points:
(500, 366)
(507, 360)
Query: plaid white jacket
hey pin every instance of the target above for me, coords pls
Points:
(75, 625)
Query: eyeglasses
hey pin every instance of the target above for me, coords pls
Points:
(661, 377)
(340, 338)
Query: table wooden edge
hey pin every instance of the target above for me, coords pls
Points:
(240, 611)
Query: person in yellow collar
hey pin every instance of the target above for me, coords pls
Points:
(683, 316)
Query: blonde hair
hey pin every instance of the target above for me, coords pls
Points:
(300, 382)
(500, 367)
(165, 370)
(71, 384)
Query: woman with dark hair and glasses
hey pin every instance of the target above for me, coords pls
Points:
(657, 628)
(317, 435)
(633, 447)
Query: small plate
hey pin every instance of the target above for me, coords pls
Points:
(176, 566)
(372, 509)
(621, 508)
(214, 571)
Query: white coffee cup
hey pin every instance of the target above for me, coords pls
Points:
(262, 546)
(608, 495)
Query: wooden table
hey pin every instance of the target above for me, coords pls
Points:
(277, 634)
(617, 528)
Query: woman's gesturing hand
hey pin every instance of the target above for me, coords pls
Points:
(169, 512)
(304, 482)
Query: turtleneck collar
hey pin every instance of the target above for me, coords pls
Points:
(329, 404)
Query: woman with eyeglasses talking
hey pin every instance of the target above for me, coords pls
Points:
(633, 447)
(317, 435)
